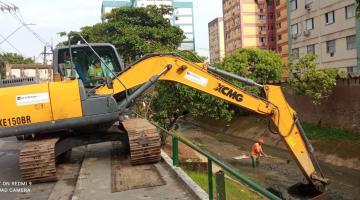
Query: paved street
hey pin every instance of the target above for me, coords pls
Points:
(101, 176)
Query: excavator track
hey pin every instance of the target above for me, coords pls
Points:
(144, 141)
(37, 160)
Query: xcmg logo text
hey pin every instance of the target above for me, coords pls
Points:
(229, 92)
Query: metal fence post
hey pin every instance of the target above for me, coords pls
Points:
(175, 150)
(210, 181)
(220, 186)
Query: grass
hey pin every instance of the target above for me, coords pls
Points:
(315, 132)
(234, 190)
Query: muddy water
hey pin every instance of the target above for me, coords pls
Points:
(278, 173)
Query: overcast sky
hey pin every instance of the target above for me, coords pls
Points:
(53, 16)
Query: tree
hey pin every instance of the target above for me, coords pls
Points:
(174, 100)
(12, 58)
(263, 66)
(254, 63)
(135, 31)
(308, 80)
(358, 8)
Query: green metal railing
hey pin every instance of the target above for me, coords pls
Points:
(226, 168)
(211, 159)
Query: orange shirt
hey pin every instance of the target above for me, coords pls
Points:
(256, 149)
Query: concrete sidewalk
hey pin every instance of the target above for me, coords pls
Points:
(95, 180)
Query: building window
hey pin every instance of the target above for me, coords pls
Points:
(237, 20)
(309, 23)
(278, 14)
(279, 48)
(272, 38)
(350, 11)
(278, 25)
(262, 28)
(293, 4)
(279, 37)
(330, 17)
(262, 39)
(227, 36)
(350, 69)
(330, 47)
(262, 17)
(311, 49)
(294, 29)
(295, 53)
(351, 42)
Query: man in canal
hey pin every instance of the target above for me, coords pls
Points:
(256, 152)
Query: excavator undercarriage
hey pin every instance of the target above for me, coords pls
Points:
(74, 110)
(38, 157)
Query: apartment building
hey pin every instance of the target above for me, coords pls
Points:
(281, 27)
(326, 28)
(182, 17)
(255, 25)
(216, 40)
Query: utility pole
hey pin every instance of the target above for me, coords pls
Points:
(45, 53)
(44, 62)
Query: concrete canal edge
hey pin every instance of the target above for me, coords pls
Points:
(185, 179)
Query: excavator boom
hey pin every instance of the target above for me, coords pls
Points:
(202, 77)
(75, 102)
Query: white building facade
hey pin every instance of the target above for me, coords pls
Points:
(182, 17)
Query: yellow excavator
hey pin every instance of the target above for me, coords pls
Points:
(73, 109)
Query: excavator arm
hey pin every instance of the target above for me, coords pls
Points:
(169, 67)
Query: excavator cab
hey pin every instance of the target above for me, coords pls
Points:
(78, 104)
(81, 62)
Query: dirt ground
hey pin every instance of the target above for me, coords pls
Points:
(278, 173)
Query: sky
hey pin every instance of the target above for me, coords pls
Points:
(50, 17)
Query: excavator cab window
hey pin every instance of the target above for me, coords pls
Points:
(87, 66)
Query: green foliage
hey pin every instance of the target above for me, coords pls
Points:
(135, 31)
(233, 189)
(192, 56)
(308, 80)
(358, 8)
(12, 58)
(315, 132)
(174, 99)
(260, 65)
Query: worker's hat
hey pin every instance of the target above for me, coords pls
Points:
(261, 141)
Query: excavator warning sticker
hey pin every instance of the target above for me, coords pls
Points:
(29, 99)
(196, 78)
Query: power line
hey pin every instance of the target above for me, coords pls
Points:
(10, 44)
(12, 33)
(9, 8)
(16, 14)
